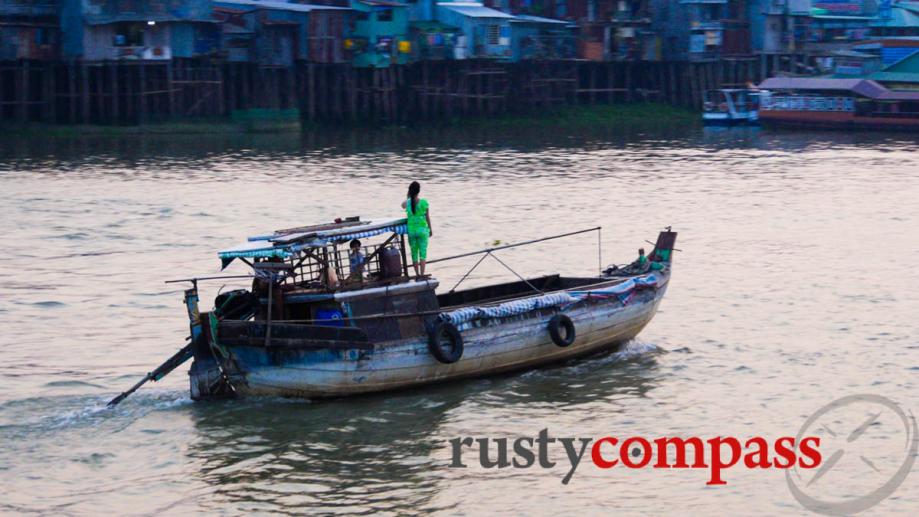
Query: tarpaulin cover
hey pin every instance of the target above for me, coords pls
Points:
(510, 308)
(263, 249)
(623, 291)
(285, 246)
(319, 241)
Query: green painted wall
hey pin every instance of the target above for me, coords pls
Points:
(374, 26)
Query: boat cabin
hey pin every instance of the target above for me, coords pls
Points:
(730, 106)
(832, 102)
(309, 275)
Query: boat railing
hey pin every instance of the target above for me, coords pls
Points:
(514, 245)
(806, 103)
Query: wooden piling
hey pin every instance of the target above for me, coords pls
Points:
(142, 93)
(84, 92)
(22, 92)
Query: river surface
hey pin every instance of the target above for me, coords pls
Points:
(793, 288)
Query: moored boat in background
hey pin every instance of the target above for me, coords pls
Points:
(837, 104)
(731, 107)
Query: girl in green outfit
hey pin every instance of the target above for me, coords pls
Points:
(418, 217)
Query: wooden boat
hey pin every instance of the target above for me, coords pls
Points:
(831, 103)
(731, 107)
(302, 332)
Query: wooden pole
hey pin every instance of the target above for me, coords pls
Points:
(393, 93)
(115, 70)
(142, 92)
(352, 93)
(53, 85)
(72, 92)
(22, 109)
(221, 90)
(170, 89)
(270, 303)
(47, 76)
(340, 93)
(628, 82)
(98, 73)
(84, 92)
(3, 93)
(246, 74)
(424, 97)
(321, 92)
(311, 90)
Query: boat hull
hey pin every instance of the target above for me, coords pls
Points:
(490, 347)
(727, 119)
(837, 120)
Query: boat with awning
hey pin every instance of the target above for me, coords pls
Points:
(836, 103)
(311, 326)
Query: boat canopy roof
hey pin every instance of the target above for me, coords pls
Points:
(733, 90)
(864, 87)
(286, 243)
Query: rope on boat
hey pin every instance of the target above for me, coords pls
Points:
(524, 280)
(506, 246)
(468, 272)
(492, 255)
(490, 252)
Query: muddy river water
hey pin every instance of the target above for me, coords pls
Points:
(793, 288)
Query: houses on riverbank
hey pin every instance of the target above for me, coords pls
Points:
(137, 61)
(380, 33)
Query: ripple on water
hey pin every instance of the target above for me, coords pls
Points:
(73, 384)
(49, 304)
(756, 300)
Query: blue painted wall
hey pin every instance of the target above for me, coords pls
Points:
(476, 30)
(188, 24)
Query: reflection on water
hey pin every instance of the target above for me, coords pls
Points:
(381, 453)
(782, 298)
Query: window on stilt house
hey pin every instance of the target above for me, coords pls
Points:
(492, 34)
(128, 35)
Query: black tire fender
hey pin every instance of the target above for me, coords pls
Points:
(445, 333)
(556, 324)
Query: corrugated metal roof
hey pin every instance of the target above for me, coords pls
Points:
(799, 6)
(855, 54)
(287, 244)
(841, 17)
(474, 10)
(899, 18)
(895, 77)
(282, 6)
(384, 3)
(808, 83)
(899, 96)
(539, 19)
(912, 6)
(909, 64)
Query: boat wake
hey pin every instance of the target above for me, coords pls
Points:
(636, 348)
(26, 417)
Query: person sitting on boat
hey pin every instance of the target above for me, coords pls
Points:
(418, 218)
(641, 264)
(357, 260)
(328, 277)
